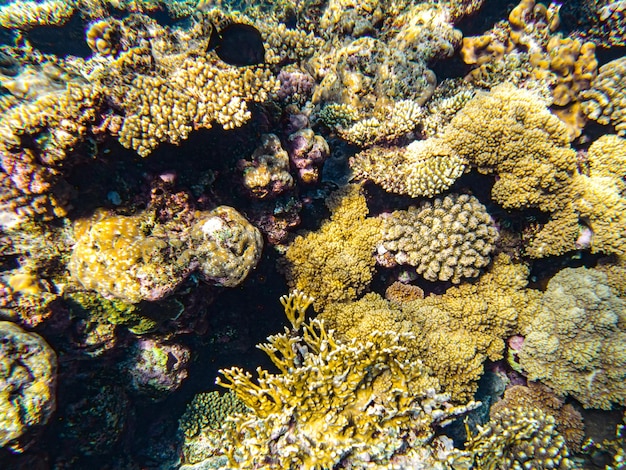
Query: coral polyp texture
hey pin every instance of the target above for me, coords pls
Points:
(449, 239)
(28, 383)
(422, 168)
(132, 258)
(605, 101)
(333, 402)
(575, 341)
(336, 263)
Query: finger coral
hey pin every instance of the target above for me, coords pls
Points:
(333, 403)
(575, 341)
(335, 263)
(422, 168)
(27, 385)
(132, 258)
(447, 239)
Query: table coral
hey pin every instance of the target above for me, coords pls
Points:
(422, 168)
(575, 341)
(447, 239)
(133, 258)
(333, 402)
(604, 102)
(28, 382)
(335, 263)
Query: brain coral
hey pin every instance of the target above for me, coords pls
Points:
(132, 258)
(575, 342)
(446, 239)
(336, 262)
(27, 384)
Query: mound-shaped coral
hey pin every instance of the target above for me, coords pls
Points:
(132, 258)
(447, 239)
(27, 385)
(336, 262)
(575, 341)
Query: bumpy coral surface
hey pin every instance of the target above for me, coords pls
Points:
(453, 333)
(131, 258)
(336, 262)
(267, 171)
(27, 384)
(447, 239)
(575, 341)
(519, 438)
(605, 101)
(423, 168)
(332, 402)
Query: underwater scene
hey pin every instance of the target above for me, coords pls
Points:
(312, 234)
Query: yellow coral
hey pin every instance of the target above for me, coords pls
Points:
(604, 101)
(454, 333)
(336, 262)
(574, 342)
(25, 15)
(423, 168)
(447, 239)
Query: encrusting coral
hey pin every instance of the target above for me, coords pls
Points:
(28, 380)
(447, 239)
(133, 258)
(360, 402)
(575, 341)
(336, 263)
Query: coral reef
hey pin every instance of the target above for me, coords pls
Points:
(575, 341)
(333, 402)
(28, 382)
(155, 368)
(134, 258)
(604, 101)
(266, 174)
(569, 422)
(447, 239)
(335, 263)
(307, 153)
(422, 168)
(518, 438)
(452, 333)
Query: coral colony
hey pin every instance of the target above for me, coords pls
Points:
(433, 191)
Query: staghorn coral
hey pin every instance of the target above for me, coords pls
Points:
(453, 333)
(447, 239)
(422, 168)
(333, 402)
(604, 101)
(569, 422)
(266, 174)
(28, 381)
(133, 258)
(335, 263)
(517, 438)
(575, 341)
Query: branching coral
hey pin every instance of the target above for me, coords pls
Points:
(575, 341)
(333, 402)
(447, 239)
(336, 262)
(422, 168)
(453, 333)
